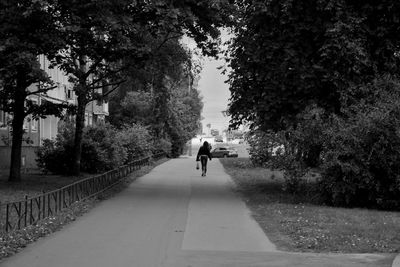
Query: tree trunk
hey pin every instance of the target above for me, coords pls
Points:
(17, 135)
(79, 125)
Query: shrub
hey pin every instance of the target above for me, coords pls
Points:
(294, 151)
(162, 145)
(362, 161)
(53, 158)
(136, 140)
(261, 146)
(102, 150)
(362, 154)
(357, 152)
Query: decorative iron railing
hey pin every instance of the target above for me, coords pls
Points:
(20, 214)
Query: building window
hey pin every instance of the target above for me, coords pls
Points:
(90, 119)
(69, 93)
(34, 125)
(86, 119)
(3, 119)
(26, 123)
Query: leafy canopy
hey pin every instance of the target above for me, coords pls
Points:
(287, 55)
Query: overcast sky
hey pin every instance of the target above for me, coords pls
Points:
(212, 88)
(215, 95)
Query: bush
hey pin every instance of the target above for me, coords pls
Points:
(262, 145)
(102, 150)
(294, 151)
(357, 153)
(162, 145)
(136, 140)
(362, 154)
(53, 158)
(362, 161)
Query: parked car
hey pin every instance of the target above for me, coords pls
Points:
(218, 139)
(224, 152)
(237, 141)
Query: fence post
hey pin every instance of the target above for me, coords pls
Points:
(19, 214)
(44, 205)
(49, 211)
(31, 219)
(26, 210)
(7, 216)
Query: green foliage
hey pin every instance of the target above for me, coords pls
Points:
(135, 107)
(102, 150)
(103, 39)
(158, 97)
(323, 76)
(261, 146)
(28, 29)
(53, 158)
(162, 145)
(267, 150)
(358, 154)
(288, 55)
(136, 140)
(362, 155)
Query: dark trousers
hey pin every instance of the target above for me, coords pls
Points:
(203, 160)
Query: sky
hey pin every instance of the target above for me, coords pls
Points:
(215, 95)
(213, 89)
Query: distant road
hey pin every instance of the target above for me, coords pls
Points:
(241, 148)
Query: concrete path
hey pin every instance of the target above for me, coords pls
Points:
(173, 217)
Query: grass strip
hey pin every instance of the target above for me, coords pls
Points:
(299, 223)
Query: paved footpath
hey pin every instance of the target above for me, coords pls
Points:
(173, 217)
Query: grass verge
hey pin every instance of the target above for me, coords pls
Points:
(11, 243)
(299, 223)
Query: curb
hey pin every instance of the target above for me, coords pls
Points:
(396, 261)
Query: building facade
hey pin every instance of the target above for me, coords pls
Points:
(38, 130)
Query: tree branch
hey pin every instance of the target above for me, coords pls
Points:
(116, 85)
(109, 73)
(113, 89)
(166, 39)
(43, 90)
(105, 85)
(93, 67)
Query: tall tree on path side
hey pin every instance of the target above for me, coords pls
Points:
(27, 29)
(288, 55)
(99, 33)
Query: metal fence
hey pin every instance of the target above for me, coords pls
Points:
(19, 214)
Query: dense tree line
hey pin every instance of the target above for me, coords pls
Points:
(94, 43)
(161, 95)
(322, 78)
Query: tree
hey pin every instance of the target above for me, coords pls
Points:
(99, 33)
(27, 29)
(161, 95)
(288, 55)
(322, 78)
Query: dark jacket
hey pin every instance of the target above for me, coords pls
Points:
(203, 151)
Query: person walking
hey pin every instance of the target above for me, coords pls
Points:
(203, 155)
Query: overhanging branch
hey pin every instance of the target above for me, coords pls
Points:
(43, 90)
(115, 86)
(113, 89)
(109, 73)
